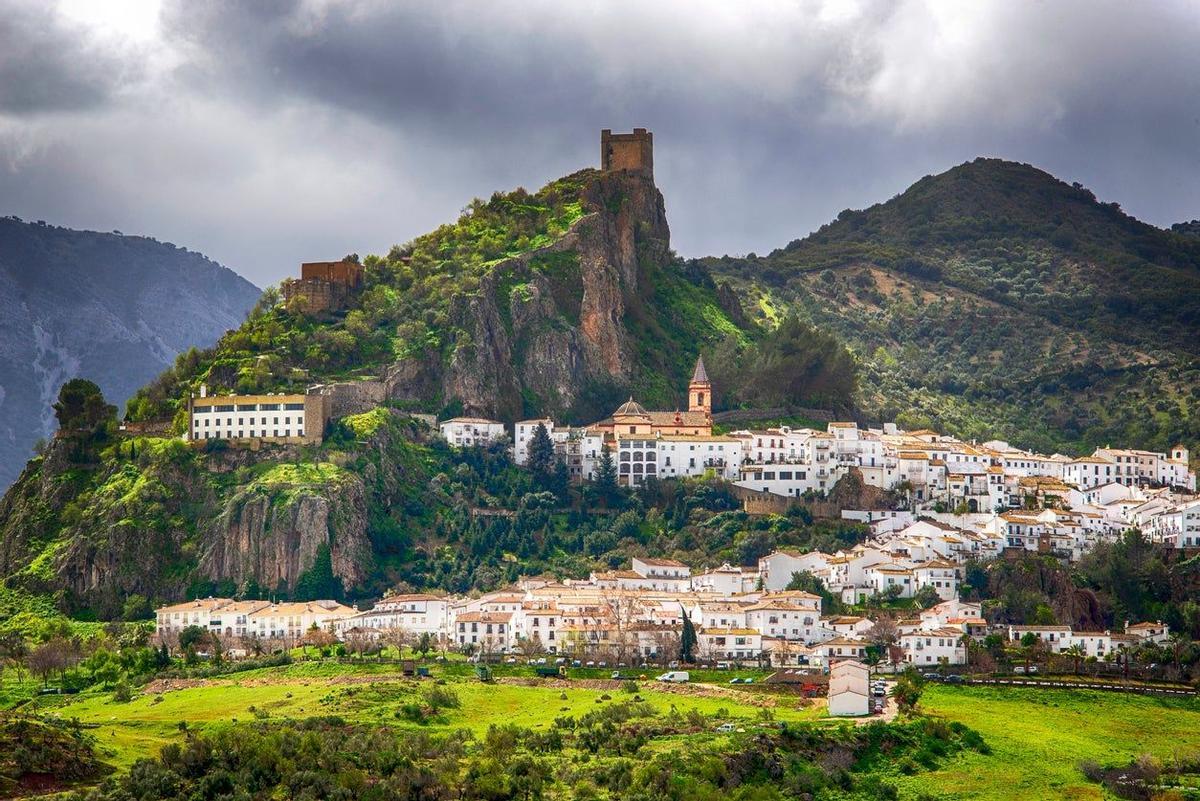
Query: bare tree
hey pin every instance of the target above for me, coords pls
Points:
(318, 638)
(398, 638)
(531, 646)
(884, 632)
(667, 642)
(625, 611)
(55, 655)
(357, 642)
(252, 643)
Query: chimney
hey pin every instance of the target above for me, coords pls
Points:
(204, 390)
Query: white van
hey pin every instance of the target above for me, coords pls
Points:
(674, 675)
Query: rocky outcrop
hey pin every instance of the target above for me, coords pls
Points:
(272, 538)
(166, 521)
(553, 320)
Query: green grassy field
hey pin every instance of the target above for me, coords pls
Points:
(368, 693)
(1038, 738)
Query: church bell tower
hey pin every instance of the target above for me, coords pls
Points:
(700, 390)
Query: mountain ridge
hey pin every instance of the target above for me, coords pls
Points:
(105, 305)
(993, 276)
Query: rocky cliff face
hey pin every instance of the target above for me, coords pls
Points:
(116, 309)
(156, 523)
(272, 538)
(553, 320)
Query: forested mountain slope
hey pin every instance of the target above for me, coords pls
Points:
(118, 308)
(995, 300)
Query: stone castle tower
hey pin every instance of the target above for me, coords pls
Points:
(700, 389)
(632, 152)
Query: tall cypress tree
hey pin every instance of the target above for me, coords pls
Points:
(541, 454)
(687, 642)
(606, 477)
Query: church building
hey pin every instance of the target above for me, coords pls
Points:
(650, 444)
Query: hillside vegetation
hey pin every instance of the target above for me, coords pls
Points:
(994, 300)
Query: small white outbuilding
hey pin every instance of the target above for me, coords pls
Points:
(849, 688)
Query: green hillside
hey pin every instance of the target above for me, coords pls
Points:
(995, 300)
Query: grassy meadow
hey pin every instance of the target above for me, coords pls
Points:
(375, 693)
(1037, 738)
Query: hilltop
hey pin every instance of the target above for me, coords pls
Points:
(995, 299)
(118, 308)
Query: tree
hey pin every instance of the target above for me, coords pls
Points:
(531, 646)
(688, 640)
(13, 650)
(541, 454)
(318, 638)
(926, 597)
(907, 692)
(357, 642)
(193, 637)
(804, 581)
(319, 582)
(53, 656)
(425, 644)
(82, 410)
(1029, 645)
(606, 477)
(883, 633)
(1077, 654)
(398, 638)
(136, 608)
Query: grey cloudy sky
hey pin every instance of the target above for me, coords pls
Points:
(268, 132)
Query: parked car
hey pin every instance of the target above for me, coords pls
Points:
(725, 728)
(722, 666)
(678, 676)
(954, 678)
(878, 692)
(931, 676)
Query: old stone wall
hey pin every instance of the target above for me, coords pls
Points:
(353, 397)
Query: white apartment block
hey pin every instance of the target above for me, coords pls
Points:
(466, 432)
(271, 418)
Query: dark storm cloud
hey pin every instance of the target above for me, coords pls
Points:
(48, 64)
(277, 131)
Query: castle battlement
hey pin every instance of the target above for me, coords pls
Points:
(631, 152)
(323, 286)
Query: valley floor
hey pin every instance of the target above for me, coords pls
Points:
(1037, 737)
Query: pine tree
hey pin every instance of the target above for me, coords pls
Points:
(560, 482)
(541, 454)
(606, 477)
(687, 642)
